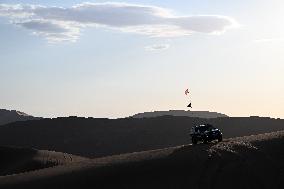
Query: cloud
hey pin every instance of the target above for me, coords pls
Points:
(65, 24)
(157, 47)
(53, 31)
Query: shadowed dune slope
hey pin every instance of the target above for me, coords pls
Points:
(92, 138)
(244, 162)
(15, 160)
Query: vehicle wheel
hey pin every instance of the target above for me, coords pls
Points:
(220, 139)
(194, 141)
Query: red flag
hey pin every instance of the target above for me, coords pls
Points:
(186, 92)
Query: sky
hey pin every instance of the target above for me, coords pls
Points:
(117, 58)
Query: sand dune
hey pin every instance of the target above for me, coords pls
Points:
(243, 162)
(196, 114)
(15, 160)
(94, 138)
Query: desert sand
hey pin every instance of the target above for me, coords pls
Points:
(243, 162)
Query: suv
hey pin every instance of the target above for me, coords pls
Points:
(205, 133)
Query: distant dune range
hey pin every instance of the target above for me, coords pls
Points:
(89, 137)
(199, 114)
(243, 162)
(9, 116)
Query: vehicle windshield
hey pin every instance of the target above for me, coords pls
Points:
(205, 128)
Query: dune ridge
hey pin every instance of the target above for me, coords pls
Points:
(14, 160)
(254, 161)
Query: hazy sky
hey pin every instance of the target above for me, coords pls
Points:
(118, 58)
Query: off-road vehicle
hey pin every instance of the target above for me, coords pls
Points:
(205, 133)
